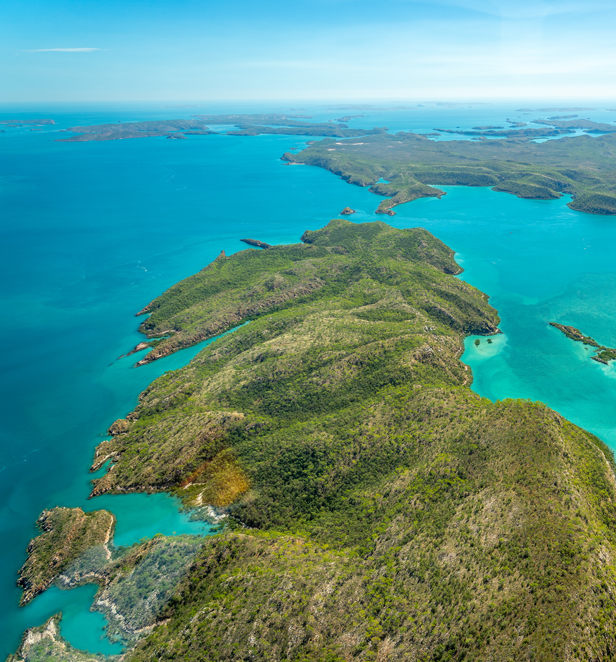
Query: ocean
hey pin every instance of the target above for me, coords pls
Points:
(91, 232)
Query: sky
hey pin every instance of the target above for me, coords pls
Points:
(177, 50)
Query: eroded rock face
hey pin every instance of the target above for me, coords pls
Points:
(120, 426)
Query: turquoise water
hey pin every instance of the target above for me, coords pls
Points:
(92, 232)
(540, 262)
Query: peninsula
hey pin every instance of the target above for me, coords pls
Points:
(581, 166)
(376, 507)
(256, 243)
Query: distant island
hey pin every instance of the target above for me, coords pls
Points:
(27, 122)
(580, 166)
(325, 130)
(247, 125)
(587, 125)
(552, 110)
(128, 130)
(347, 118)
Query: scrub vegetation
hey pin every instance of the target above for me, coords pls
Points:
(414, 165)
(376, 508)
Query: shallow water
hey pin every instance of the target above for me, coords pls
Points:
(540, 262)
(93, 231)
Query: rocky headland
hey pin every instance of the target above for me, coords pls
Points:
(256, 243)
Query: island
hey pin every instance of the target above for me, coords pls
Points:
(581, 166)
(586, 125)
(347, 211)
(509, 133)
(329, 130)
(347, 118)
(127, 130)
(553, 110)
(371, 505)
(604, 354)
(264, 119)
(246, 125)
(27, 122)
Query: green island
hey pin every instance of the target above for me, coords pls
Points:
(414, 165)
(127, 130)
(247, 125)
(26, 122)
(585, 125)
(603, 355)
(371, 506)
(510, 132)
(327, 130)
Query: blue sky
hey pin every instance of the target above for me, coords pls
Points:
(306, 49)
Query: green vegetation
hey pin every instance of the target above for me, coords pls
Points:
(412, 164)
(123, 131)
(377, 508)
(247, 125)
(138, 582)
(274, 119)
(386, 510)
(571, 124)
(329, 130)
(603, 355)
(66, 534)
(45, 644)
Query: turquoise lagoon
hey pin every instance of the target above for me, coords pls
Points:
(93, 231)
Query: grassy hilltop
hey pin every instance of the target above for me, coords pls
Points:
(413, 165)
(377, 508)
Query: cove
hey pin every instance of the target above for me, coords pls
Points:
(539, 262)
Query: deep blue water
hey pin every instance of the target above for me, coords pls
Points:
(91, 232)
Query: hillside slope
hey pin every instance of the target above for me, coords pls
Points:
(378, 509)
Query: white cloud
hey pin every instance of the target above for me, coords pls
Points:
(64, 50)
